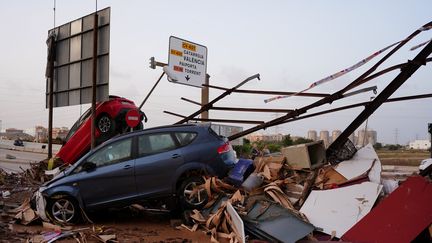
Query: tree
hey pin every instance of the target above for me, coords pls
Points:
(378, 146)
(302, 141)
(287, 140)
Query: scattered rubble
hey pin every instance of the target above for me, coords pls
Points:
(285, 201)
(271, 199)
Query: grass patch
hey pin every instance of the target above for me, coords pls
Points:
(402, 157)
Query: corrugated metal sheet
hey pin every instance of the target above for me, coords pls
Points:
(401, 217)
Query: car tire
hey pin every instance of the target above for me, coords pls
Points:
(63, 209)
(106, 125)
(190, 199)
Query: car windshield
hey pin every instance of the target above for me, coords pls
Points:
(78, 124)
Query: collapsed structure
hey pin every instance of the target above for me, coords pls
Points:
(311, 194)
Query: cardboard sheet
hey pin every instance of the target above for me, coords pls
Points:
(337, 210)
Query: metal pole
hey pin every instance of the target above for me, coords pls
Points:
(51, 87)
(365, 135)
(151, 91)
(94, 77)
(50, 111)
(430, 135)
(205, 97)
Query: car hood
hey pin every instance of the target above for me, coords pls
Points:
(59, 176)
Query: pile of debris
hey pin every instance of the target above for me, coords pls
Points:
(16, 190)
(297, 195)
(34, 176)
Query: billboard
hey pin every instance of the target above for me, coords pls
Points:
(71, 46)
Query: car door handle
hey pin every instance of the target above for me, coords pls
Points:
(127, 167)
(175, 156)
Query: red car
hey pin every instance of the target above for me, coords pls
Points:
(110, 121)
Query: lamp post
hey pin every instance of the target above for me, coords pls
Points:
(365, 135)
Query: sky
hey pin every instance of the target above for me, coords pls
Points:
(291, 44)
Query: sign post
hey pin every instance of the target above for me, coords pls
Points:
(430, 134)
(94, 77)
(187, 62)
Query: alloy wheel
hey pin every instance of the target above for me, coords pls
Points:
(104, 124)
(194, 194)
(63, 210)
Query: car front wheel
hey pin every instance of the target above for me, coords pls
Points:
(64, 209)
(192, 193)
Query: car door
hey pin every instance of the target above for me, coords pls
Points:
(113, 178)
(158, 157)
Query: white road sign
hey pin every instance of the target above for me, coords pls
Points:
(187, 62)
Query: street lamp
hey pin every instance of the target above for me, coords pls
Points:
(365, 135)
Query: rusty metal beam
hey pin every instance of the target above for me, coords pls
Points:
(335, 96)
(269, 92)
(251, 109)
(220, 108)
(404, 98)
(207, 106)
(190, 101)
(216, 120)
(404, 75)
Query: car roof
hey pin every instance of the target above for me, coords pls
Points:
(188, 125)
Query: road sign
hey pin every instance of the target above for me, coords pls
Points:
(187, 62)
(133, 118)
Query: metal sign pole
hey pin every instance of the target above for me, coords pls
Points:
(95, 52)
(50, 109)
(430, 134)
(205, 97)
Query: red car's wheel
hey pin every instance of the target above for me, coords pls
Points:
(105, 124)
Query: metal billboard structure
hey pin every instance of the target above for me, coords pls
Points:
(73, 64)
(78, 65)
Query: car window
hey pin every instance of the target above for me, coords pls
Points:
(155, 143)
(185, 138)
(112, 153)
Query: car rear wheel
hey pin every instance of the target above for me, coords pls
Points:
(64, 209)
(192, 193)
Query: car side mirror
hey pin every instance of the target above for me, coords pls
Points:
(89, 166)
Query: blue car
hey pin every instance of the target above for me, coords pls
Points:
(154, 164)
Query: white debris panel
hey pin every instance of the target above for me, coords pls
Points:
(366, 159)
(337, 210)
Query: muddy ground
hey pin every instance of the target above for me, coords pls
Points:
(128, 225)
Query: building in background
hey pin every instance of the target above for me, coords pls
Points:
(324, 135)
(13, 133)
(312, 135)
(335, 134)
(256, 137)
(60, 132)
(420, 144)
(352, 137)
(41, 134)
(365, 138)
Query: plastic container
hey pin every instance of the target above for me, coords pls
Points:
(242, 170)
(253, 181)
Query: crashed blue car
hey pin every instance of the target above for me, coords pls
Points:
(154, 164)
